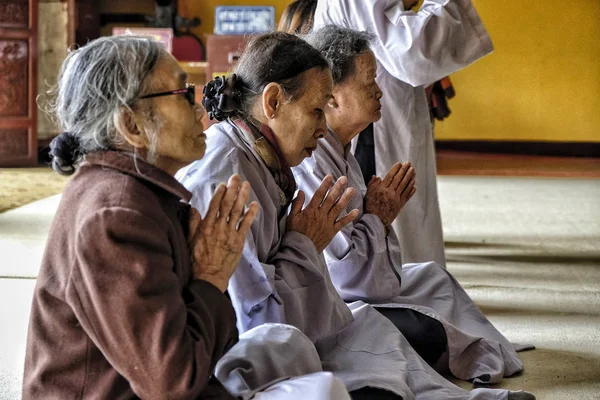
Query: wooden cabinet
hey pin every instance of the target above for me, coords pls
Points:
(18, 83)
(222, 53)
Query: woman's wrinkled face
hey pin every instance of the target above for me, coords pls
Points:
(357, 98)
(180, 135)
(300, 121)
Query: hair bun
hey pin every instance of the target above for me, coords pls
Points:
(220, 97)
(65, 151)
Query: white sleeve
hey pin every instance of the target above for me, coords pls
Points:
(419, 48)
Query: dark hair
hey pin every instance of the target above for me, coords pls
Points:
(298, 17)
(340, 46)
(272, 57)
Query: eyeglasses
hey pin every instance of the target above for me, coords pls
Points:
(189, 92)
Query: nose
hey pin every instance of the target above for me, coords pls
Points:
(378, 92)
(198, 112)
(321, 130)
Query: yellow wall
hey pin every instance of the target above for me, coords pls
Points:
(542, 83)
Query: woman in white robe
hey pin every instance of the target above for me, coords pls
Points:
(364, 261)
(412, 50)
(273, 106)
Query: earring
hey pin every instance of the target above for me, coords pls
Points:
(272, 116)
(333, 104)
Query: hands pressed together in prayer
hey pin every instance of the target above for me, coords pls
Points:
(319, 220)
(385, 198)
(216, 242)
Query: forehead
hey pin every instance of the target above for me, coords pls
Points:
(319, 86)
(365, 64)
(168, 74)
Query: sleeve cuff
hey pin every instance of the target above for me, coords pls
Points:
(301, 241)
(219, 302)
(374, 221)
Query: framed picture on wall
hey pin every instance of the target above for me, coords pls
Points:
(243, 20)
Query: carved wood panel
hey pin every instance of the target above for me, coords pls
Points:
(13, 143)
(14, 57)
(14, 13)
(18, 82)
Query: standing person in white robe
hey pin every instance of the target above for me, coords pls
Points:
(274, 105)
(364, 261)
(412, 51)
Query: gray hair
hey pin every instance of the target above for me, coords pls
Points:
(94, 84)
(340, 46)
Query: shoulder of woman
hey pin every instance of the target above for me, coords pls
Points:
(96, 188)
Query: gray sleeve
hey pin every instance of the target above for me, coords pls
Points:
(295, 284)
(360, 264)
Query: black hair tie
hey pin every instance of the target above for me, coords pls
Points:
(66, 148)
(220, 98)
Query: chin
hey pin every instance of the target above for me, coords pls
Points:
(198, 154)
(376, 116)
(296, 162)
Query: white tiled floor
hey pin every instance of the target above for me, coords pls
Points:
(526, 250)
(15, 302)
(23, 233)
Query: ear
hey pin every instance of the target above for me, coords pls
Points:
(129, 125)
(333, 102)
(272, 98)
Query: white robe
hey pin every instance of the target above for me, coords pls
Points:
(412, 51)
(281, 278)
(366, 265)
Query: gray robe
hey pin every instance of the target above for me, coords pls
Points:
(365, 264)
(412, 51)
(281, 278)
(277, 361)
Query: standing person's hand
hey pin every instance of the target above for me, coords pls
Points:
(320, 219)
(385, 198)
(216, 242)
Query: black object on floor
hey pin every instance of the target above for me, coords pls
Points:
(425, 334)
(371, 393)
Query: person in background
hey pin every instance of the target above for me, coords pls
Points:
(272, 113)
(413, 50)
(424, 301)
(297, 18)
(130, 300)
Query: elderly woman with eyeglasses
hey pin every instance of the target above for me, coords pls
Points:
(130, 299)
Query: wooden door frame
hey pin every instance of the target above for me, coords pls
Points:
(71, 22)
(29, 122)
